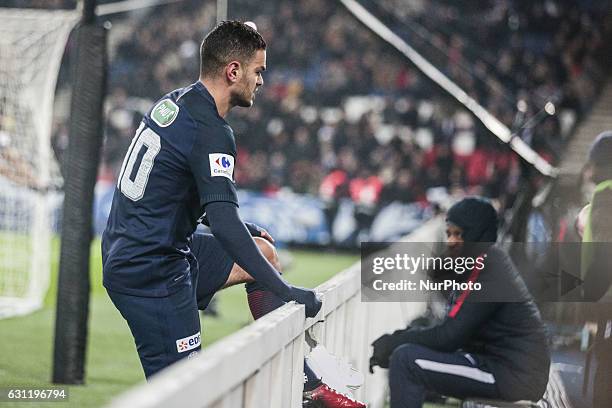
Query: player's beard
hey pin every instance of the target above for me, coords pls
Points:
(244, 98)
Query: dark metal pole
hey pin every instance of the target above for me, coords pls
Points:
(89, 12)
(86, 124)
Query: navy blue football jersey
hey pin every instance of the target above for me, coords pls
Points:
(181, 158)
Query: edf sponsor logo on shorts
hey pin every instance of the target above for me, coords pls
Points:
(188, 343)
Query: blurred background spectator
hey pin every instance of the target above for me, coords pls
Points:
(344, 116)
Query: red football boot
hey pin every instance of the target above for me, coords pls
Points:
(331, 398)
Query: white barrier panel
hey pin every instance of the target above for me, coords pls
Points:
(262, 364)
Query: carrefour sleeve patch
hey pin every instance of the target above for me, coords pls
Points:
(221, 165)
(165, 112)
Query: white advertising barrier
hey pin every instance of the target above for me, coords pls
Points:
(262, 364)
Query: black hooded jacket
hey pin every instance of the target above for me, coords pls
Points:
(499, 323)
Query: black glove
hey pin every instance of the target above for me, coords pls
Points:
(306, 297)
(373, 363)
(254, 230)
(257, 231)
(384, 346)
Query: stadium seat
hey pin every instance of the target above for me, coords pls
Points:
(482, 403)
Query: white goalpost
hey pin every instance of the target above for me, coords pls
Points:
(32, 43)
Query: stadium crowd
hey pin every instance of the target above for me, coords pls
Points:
(45, 4)
(513, 55)
(342, 114)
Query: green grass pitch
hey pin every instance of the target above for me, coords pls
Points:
(26, 343)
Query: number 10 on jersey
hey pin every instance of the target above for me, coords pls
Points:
(145, 146)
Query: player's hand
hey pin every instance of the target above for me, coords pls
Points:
(308, 298)
(266, 235)
(257, 231)
(373, 363)
(381, 352)
(384, 346)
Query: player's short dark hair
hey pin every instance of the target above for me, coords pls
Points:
(228, 41)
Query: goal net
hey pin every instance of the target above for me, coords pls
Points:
(32, 43)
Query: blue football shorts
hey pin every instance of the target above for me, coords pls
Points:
(167, 329)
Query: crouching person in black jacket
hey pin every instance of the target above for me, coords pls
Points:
(492, 343)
